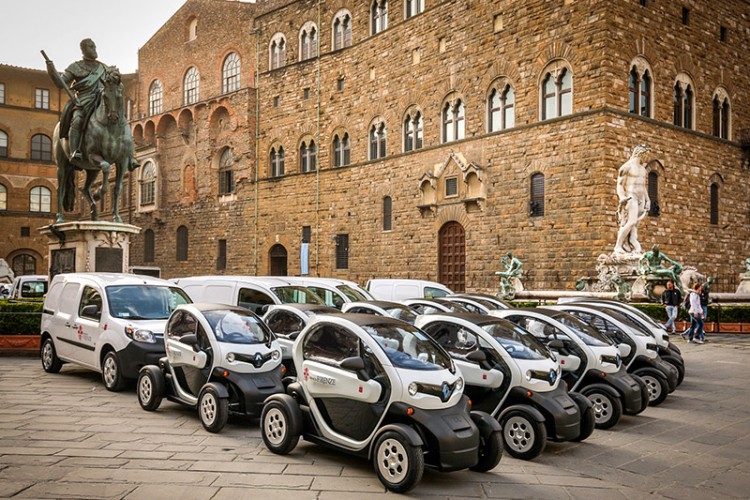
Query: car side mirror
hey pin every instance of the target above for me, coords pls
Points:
(556, 344)
(354, 364)
(191, 340)
(90, 311)
(263, 309)
(476, 356)
(293, 335)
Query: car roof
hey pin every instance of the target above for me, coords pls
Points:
(214, 306)
(477, 319)
(377, 303)
(363, 319)
(114, 279)
(304, 307)
(262, 280)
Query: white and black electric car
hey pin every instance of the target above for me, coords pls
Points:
(381, 389)
(512, 376)
(383, 308)
(591, 363)
(486, 299)
(432, 306)
(472, 304)
(642, 360)
(220, 359)
(286, 321)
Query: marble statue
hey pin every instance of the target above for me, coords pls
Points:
(634, 202)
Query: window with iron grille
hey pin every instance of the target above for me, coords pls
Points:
(221, 257)
(182, 243)
(41, 148)
(149, 244)
(653, 194)
(714, 203)
(41, 99)
(536, 208)
(451, 186)
(226, 172)
(342, 251)
(387, 213)
(24, 264)
(191, 86)
(230, 73)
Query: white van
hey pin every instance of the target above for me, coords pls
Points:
(29, 286)
(334, 292)
(400, 289)
(250, 292)
(108, 322)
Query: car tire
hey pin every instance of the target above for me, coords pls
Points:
(398, 464)
(50, 362)
(150, 387)
(213, 410)
(490, 452)
(658, 388)
(524, 437)
(276, 428)
(112, 372)
(607, 409)
(588, 421)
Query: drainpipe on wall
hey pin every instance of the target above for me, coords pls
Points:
(257, 145)
(317, 170)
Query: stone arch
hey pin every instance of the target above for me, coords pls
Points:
(499, 70)
(167, 126)
(716, 178)
(149, 132)
(656, 166)
(553, 52)
(185, 121)
(453, 213)
(138, 133)
(219, 121)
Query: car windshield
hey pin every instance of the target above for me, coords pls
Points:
(623, 318)
(351, 293)
(237, 327)
(297, 295)
(454, 307)
(408, 347)
(640, 315)
(519, 343)
(144, 301)
(403, 313)
(588, 334)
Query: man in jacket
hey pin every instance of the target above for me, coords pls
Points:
(671, 299)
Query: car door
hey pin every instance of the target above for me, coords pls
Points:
(188, 351)
(283, 324)
(89, 314)
(349, 402)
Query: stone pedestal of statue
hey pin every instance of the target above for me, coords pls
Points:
(617, 272)
(89, 246)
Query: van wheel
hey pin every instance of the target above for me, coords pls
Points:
(524, 437)
(276, 428)
(112, 372)
(150, 388)
(490, 452)
(212, 409)
(607, 410)
(398, 464)
(658, 389)
(50, 362)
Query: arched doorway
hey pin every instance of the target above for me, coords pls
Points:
(277, 256)
(452, 256)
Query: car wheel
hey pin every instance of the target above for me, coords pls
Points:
(112, 372)
(398, 464)
(658, 389)
(607, 409)
(490, 452)
(50, 362)
(150, 387)
(276, 428)
(524, 437)
(212, 409)
(588, 420)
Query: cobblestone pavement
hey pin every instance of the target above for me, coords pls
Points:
(65, 436)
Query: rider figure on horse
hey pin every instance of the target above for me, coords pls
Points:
(85, 78)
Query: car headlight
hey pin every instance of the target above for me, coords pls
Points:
(459, 383)
(230, 357)
(528, 375)
(276, 355)
(413, 389)
(138, 335)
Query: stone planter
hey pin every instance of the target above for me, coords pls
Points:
(19, 343)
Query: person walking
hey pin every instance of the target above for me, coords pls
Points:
(671, 299)
(695, 333)
(704, 304)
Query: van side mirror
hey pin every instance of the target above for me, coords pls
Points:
(556, 344)
(476, 356)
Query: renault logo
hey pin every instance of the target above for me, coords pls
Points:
(446, 391)
(552, 376)
(258, 359)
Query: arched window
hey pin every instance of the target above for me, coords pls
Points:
(230, 73)
(148, 184)
(182, 243)
(308, 153)
(413, 131)
(377, 140)
(3, 197)
(3, 144)
(308, 41)
(378, 16)
(40, 199)
(342, 30)
(653, 194)
(149, 244)
(536, 198)
(23, 264)
(154, 98)
(41, 148)
(387, 213)
(454, 120)
(226, 172)
(721, 114)
(412, 8)
(501, 108)
(277, 162)
(277, 51)
(191, 86)
(341, 150)
(714, 203)
(683, 102)
(193, 29)
(557, 93)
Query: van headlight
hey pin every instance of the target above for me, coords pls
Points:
(413, 389)
(230, 357)
(139, 335)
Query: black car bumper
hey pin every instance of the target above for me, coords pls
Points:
(250, 389)
(629, 389)
(563, 418)
(136, 355)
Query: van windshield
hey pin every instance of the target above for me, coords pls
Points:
(144, 301)
(297, 295)
(352, 294)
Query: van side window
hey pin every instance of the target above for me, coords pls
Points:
(91, 304)
(330, 298)
(253, 300)
(330, 345)
(284, 323)
(434, 293)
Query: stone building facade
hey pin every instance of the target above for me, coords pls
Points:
(29, 109)
(424, 139)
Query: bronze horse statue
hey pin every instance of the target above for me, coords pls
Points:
(107, 141)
